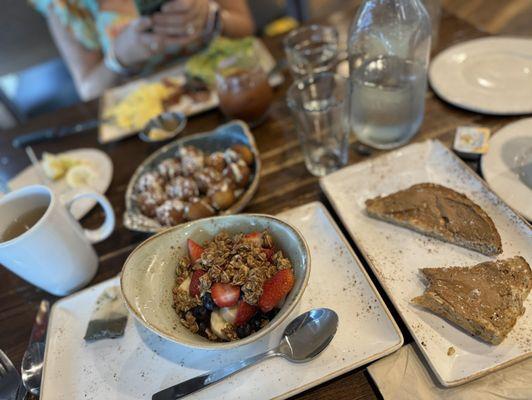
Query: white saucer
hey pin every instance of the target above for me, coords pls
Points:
(490, 75)
(99, 162)
(504, 165)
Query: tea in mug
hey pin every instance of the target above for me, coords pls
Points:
(22, 224)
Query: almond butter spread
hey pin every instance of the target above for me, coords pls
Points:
(440, 212)
(485, 299)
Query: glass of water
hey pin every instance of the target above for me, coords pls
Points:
(311, 50)
(318, 105)
(387, 100)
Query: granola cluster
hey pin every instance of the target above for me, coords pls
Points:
(240, 261)
(233, 260)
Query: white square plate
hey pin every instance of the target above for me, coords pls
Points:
(109, 132)
(396, 254)
(140, 363)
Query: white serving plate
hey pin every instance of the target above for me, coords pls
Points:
(109, 132)
(508, 150)
(99, 162)
(490, 75)
(396, 254)
(141, 363)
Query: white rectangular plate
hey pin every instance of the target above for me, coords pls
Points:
(396, 254)
(109, 132)
(140, 363)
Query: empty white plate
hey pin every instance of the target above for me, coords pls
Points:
(507, 167)
(490, 75)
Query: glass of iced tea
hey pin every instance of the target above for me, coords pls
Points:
(243, 89)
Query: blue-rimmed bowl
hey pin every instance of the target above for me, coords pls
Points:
(223, 137)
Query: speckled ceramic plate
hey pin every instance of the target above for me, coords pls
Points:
(396, 254)
(234, 132)
(103, 174)
(141, 363)
(507, 166)
(110, 132)
(148, 291)
(491, 75)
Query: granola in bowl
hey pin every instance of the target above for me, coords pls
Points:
(231, 286)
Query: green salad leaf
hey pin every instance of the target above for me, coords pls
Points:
(203, 65)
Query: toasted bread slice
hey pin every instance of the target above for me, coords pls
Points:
(440, 212)
(486, 299)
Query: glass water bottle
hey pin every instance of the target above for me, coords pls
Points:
(389, 47)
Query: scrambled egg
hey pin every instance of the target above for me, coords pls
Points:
(134, 111)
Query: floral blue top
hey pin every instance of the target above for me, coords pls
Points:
(94, 23)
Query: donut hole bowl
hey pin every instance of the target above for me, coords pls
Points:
(222, 138)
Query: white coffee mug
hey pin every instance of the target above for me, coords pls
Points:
(55, 254)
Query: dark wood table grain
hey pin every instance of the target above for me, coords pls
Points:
(285, 183)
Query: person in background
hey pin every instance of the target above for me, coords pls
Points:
(104, 42)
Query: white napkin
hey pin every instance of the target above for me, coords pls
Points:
(404, 375)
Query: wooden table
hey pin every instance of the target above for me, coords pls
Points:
(284, 184)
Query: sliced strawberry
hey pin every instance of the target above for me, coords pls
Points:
(194, 288)
(269, 253)
(244, 312)
(254, 237)
(194, 250)
(225, 294)
(275, 289)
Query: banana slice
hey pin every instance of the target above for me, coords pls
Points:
(218, 323)
(68, 162)
(56, 166)
(53, 167)
(229, 313)
(185, 285)
(80, 176)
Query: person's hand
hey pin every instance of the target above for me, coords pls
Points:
(181, 20)
(135, 44)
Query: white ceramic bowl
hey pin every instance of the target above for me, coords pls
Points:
(148, 275)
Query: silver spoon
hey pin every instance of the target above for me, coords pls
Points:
(172, 123)
(303, 339)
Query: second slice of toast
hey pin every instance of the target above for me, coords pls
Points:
(486, 299)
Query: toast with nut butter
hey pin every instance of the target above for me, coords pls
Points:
(437, 211)
(486, 299)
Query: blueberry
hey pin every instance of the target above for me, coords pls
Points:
(208, 303)
(271, 314)
(243, 330)
(200, 313)
(202, 327)
(255, 323)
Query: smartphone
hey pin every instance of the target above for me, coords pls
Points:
(148, 7)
